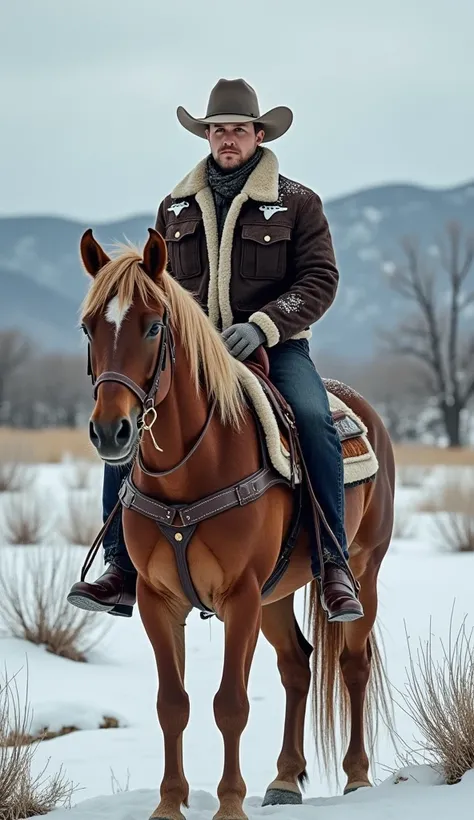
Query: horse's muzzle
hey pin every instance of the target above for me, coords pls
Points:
(114, 440)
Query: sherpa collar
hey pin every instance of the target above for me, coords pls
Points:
(262, 184)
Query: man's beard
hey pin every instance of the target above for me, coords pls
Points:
(237, 162)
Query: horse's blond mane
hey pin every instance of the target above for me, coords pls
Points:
(206, 353)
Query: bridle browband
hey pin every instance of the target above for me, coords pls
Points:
(167, 350)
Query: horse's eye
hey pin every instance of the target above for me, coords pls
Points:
(154, 330)
(85, 331)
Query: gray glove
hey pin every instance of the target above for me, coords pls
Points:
(242, 339)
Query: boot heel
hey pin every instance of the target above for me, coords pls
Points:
(122, 610)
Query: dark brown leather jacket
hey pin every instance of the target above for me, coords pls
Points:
(275, 265)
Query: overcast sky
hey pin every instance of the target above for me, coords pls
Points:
(381, 92)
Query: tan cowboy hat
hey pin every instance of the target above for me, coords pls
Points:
(236, 101)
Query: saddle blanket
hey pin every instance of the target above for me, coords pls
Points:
(360, 461)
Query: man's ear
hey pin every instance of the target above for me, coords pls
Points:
(92, 255)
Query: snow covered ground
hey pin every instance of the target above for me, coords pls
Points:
(119, 770)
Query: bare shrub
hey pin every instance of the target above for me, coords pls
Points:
(439, 697)
(24, 520)
(33, 587)
(456, 530)
(403, 523)
(23, 794)
(117, 787)
(79, 475)
(453, 496)
(15, 474)
(82, 522)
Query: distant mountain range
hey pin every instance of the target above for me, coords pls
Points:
(42, 283)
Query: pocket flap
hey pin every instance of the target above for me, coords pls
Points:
(178, 230)
(266, 234)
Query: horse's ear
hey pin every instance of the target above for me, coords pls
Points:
(92, 255)
(155, 255)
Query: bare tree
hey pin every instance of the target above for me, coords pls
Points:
(437, 333)
(15, 350)
(51, 390)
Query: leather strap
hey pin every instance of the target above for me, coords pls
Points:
(180, 548)
(113, 376)
(285, 414)
(237, 495)
(162, 473)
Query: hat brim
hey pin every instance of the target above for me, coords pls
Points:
(275, 122)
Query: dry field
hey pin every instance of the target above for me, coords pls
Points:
(51, 446)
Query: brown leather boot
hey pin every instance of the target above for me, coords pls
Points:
(338, 597)
(113, 592)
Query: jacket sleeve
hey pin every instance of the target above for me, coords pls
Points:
(315, 278)
(160, 226)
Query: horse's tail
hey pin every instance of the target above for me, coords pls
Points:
(330, 698)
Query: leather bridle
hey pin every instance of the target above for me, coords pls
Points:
(167, 350)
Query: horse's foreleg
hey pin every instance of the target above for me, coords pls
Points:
(293, 651)
(164, 621)
(241, 613)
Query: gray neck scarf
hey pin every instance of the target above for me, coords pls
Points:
(225, 185)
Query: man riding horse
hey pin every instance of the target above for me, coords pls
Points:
(276, 276)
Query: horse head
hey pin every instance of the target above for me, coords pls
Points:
(125, 319)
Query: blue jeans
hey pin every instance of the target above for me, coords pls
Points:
(295, 376)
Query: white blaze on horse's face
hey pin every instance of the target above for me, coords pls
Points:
(115, 314)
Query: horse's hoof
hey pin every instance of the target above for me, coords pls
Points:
(353, 787)
(282, 797)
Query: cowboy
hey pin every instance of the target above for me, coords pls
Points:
(255, 249)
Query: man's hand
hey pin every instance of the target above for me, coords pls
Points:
(242, 339)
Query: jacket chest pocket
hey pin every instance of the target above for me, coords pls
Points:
(184, 247)
(264, 251)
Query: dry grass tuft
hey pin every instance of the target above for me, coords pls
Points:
(456, 531)
(83, 520)
(24, 520)
(14, 738)
(403, 523)
(15, 474)
(21, 793)
(453, 495)
(439, 697)
(33, 586)
(453, 508)
(79, 475)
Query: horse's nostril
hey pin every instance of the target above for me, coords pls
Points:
(123, 433)
(93, 434)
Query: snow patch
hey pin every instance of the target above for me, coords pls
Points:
(54, 716)
(373, 215)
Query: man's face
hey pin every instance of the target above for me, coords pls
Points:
(234, 143)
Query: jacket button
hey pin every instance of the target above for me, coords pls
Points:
(177, 234)
(267, 238)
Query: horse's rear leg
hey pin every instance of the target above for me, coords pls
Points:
(293, 651)
(241, 612)
(164, 622)
(355, 663)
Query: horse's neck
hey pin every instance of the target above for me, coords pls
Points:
(224, 456)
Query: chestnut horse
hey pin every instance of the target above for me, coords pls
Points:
(233, 553)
